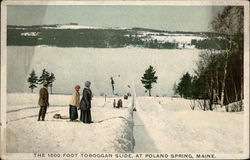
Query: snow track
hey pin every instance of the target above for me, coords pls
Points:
(160, 125)
(143, 141)
(167, 125)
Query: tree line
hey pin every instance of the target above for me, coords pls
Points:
(45, 77)
(219, 74)
(210, 43)
(97, 38)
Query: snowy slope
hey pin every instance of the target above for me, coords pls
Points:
(183, 40)
(74, 27)
(174, 128)
(161, 125)
(111, 132)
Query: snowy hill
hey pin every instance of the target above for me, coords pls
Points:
(73, 26)
(74, 35)
(111, 132)
(160, 125)
(172, 127)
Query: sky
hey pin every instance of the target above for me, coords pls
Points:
(172, 18)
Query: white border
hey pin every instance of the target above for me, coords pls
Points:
(246, 79)
(130, 2)
(4, 4)
(3, 80)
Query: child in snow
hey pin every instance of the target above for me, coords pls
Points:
(74, 104)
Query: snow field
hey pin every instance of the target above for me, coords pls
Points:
(160, 125)
(175, 128)
(112, 130)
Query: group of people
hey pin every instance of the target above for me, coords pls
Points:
(119, 104)
(84, 105)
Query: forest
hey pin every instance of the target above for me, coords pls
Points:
(219, 78)
(50, 35)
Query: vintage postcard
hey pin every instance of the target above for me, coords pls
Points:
(124, 80)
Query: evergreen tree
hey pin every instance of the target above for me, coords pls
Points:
(149, 78)
(48, 78)
(51, 79)
(197, 88)
(44, 77)
(32, 80)
(184, 86)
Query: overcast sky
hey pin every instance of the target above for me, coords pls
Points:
(173, 18)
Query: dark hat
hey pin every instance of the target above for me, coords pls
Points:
(45, 84)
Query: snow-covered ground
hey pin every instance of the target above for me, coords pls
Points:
(75, 27)
(183, 40)
(172, 127)
(160, 125)
(112, 130)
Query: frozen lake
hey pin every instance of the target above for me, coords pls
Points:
(76, 65)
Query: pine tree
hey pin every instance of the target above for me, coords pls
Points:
(184, 86)
(51, 79)
(149, 78)
(32, 80)
(44, 78)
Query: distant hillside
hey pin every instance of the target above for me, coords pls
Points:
(73, 35)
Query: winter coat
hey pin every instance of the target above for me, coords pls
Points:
(75, 99)
(85, 103)
(43, 97)
(119, 103)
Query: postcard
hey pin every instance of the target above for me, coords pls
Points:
(124, 80)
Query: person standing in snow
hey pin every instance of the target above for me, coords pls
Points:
(114, 104)
(119, 103)
(74, 104)
(43, 101)
(85, 104)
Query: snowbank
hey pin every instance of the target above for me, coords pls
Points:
(112, 130)
(236, 106)
(175, 128)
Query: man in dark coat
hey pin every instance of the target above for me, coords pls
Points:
(43, 101)
(85, 104)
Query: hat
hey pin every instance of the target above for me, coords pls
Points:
(77, 87)
(45, 84)
(87, 84)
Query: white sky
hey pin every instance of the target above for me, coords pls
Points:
(173, 18)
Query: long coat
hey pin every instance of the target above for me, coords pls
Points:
(87, 97)
(43, 97)
(75, 99)
(86, 114)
